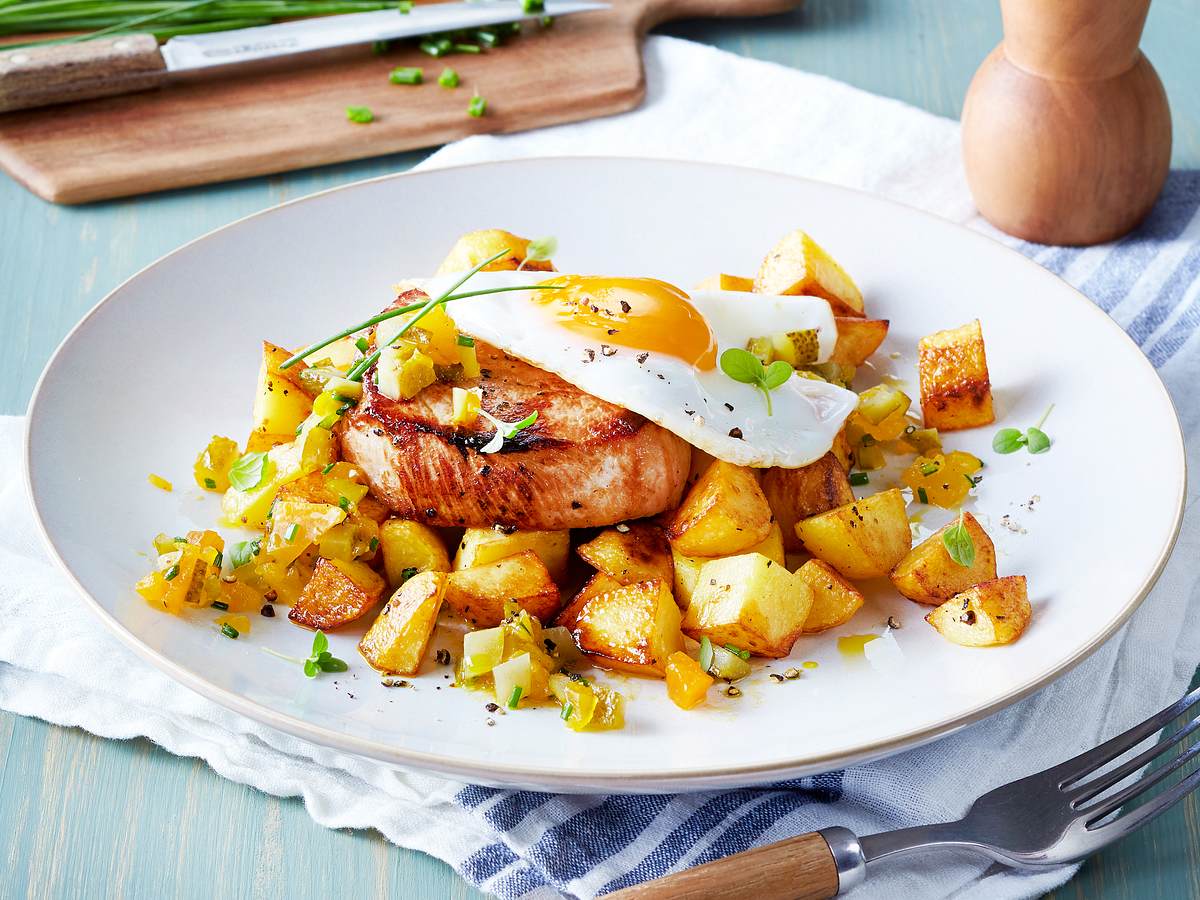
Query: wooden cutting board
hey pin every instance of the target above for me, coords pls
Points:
(202, 131)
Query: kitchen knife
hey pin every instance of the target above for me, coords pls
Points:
(121, 64)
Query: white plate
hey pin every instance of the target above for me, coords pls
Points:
(169, 358)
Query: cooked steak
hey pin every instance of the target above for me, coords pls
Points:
(583, 463)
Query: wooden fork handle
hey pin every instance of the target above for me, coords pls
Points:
(800, 868)
(60, 73)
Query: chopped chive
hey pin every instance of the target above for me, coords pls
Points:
(487, 38)
(405, 6)
(436, 47)
(380, 47)
(407, 572)
(363, 345)
(210, 484)
(465, 340)
(858, 479)
(328, 468)
(448, 78)
(402, 75)
(360, 115)
(515, 697)
(290, 534)
(229, 631)
(738, 651)
(172, 573)
(220, 604)
(971, 481)
(467, 48)
(929, 468)
(299, 428)
(533, 6)
(477, 107)
(218, 559)
(546, 21)
(344, 502)
(706, 653)
(345, 408)
(373, 545)
(567, 709)
(867, 441)
(922, 496)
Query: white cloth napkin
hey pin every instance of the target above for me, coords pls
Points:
(702, 104)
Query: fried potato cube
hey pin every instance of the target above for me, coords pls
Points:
(724, 513)
(280, 403)
(596, 585)
(480, 546)
(369, 507)
(639, 552)
(863, 539)
(687, 568)
(956, 391)
(396, 642)
(338, 593)
(798, 265)
(995, 612)
(795, 494)
(927, 574)
(410, 545)
(751, 602)
(835, 600)
(857, 339)
(475, 246)
(478, 594)
(723, 282)
(634, 628)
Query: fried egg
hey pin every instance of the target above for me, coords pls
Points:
(654, 349)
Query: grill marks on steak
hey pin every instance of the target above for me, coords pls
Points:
(583, 463)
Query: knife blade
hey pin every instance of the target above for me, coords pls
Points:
(61, 73)
(218, 48)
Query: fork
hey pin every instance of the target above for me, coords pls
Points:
(1049, 819)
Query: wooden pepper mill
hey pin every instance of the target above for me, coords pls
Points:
(1066, 128)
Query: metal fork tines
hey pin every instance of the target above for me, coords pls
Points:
(1066, 813)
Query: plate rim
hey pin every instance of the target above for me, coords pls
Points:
(670, 779)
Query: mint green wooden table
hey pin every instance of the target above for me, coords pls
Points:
(89, 817)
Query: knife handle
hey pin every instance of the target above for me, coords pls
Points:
(61, 73)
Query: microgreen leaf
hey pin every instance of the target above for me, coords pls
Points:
(958, 543)
(248, 472)
(310, 668)
(1008, 440)
(541, 249)
(777, 373)
(742, 365)
(320, 644)
(1036, 440)
(333, 664)
(243, 552)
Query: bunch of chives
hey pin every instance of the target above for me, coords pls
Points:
(164, 18)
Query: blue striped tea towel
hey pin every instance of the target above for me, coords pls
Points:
(713, 106)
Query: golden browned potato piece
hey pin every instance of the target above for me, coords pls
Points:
(480, 546)
(835, 600)
(338, 592)
(371, 507)
(927, 574)
(478, 594)
(410, 545)
(475, 246)
(596, 585)
(634, 628)
(724, 513)
(798, 265)
(995, 612)
(956, 391)
(396, 642)
(640, 552)
(857, 339)
(795, 494)
(260, 442)
(280, 403)
(863, 539)
(751, 602)
(687, 568)
(723, 282)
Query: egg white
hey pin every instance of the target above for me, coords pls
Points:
(705, 408)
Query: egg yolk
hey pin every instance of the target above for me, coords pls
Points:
(638, 313)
